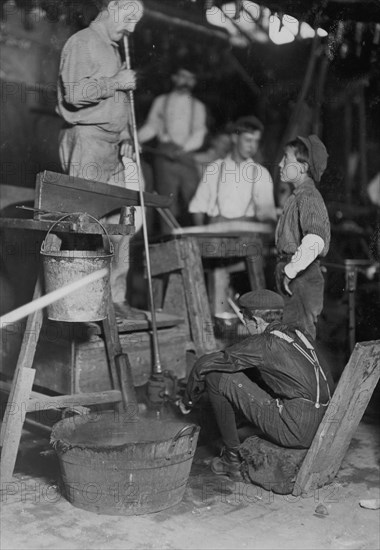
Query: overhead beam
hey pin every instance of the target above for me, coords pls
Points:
(162, 13)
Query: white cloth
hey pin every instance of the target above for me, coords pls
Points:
(176, 118)
(310, 248)
(373, 190)
(234, 190)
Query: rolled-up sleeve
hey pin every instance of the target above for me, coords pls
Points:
(153, 124)
(79, 86)
(200, 203)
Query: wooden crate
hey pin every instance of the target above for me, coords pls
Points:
(71, 359)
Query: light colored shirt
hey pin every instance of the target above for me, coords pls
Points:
(176, 118)
(235, 190)
(308, 251)
(86, 94)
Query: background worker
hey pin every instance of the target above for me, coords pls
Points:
(219, 145)
(236, 188)
(275, 378)
(178, 121)
(92, 100)
(302, 233)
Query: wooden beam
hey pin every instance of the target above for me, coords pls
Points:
(341, 419)
(62, 193)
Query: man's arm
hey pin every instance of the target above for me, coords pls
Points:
(200, 203)
(80, 87)
(196, 138)
(238, 357)
(150, 129)
(262, 195)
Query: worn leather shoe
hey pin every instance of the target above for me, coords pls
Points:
(227, 464)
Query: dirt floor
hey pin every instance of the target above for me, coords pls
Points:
(215, 512)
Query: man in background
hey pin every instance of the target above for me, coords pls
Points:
(219, 145)
(236, 188)
(178, 121)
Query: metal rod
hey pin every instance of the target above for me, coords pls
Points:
(237, 311)
(157, 368)
(43, 301)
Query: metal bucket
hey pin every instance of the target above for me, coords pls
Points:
(117, 466)
(62, 267)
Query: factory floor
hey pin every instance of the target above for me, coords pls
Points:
(215, 512)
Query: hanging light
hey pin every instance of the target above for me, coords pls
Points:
(283, 36)
(322, 33)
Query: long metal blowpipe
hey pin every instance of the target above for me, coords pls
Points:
(157, 368)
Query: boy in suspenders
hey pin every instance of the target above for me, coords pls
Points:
(275, 378)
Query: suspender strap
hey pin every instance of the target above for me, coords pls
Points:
(311, 357)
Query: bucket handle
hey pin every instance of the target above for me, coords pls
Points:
(192, 428)
(110, 245)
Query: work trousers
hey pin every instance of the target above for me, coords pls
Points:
(305, 305)
(178, 178)
(89, 152)
(290, 423)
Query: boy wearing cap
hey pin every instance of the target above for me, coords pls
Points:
(302, 233)
(275, 377)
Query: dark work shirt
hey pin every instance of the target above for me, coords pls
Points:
(283, 369)
(304, 213)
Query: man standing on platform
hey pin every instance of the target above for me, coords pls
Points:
(178, 121)
(302, 233)
(92, 101)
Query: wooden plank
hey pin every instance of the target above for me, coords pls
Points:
(165, 257)
(175, 300)
(14, 420)
(229, 247)
(198, 306)
(26, 355)
(66, 227)
(232, 228)
(40, 401)
(342, 417)
(59, 192)
(20, 391)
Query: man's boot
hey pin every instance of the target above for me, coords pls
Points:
(227, 464)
